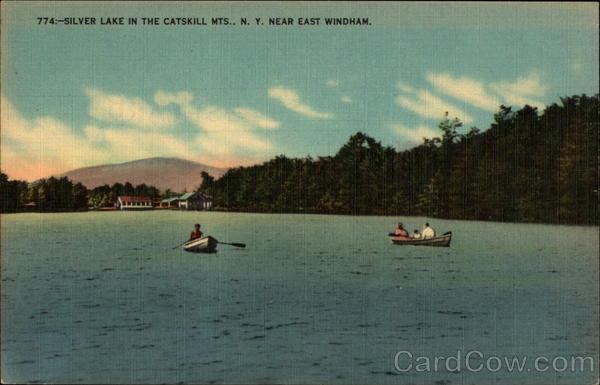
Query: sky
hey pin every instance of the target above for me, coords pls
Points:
(85, 95)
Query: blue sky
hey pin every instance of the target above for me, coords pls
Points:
(226, 96)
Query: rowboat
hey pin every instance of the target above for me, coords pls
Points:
(441, 241)
(201, 245)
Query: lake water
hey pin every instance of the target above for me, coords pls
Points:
(102, 297)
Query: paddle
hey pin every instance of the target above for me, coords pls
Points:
(179, 245)
(233, 244)
(223, 243)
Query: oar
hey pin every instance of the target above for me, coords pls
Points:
(233, 244)
(179, 245)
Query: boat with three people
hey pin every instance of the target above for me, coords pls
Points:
(439, 241)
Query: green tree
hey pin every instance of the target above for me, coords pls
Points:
(207, 183)
(80, 197)
(527, 166)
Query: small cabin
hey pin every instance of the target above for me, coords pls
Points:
(195, 201)
(169, 203)
(133, 203)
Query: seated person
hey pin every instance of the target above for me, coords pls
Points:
(196, 233)
(428, 232)
(401, 234)
(416, 234)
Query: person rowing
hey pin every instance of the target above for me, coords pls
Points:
(196, 233)
(400, 233)
(206, 244)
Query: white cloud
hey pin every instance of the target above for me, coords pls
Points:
(133, 111)
(44, 146)
(290, 99)
(257, 118)
(333, 83)
(415, 135)
(226, 137)
(163, 98)
(223, 141)
(405, 88)
(133, 143)
(465, 89)
(522, 91)
(224, 131)
(427, 105)
(36, 148)
(346, 99)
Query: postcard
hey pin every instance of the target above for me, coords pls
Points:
(299, 192)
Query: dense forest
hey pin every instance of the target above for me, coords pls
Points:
(527, 167)
(61, 194)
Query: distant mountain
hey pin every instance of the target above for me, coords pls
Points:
(164, 173)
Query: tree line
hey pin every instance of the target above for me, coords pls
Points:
(61, 194)
(526, 167)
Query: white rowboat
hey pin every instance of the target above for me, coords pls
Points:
(439, 241)
(201, 245)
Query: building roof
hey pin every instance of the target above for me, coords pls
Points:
(134, 199)
(168, 200)
(186, 196)
(197, 193)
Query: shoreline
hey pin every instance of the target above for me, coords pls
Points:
(304, 213)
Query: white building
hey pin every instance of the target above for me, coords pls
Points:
(133, 203)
